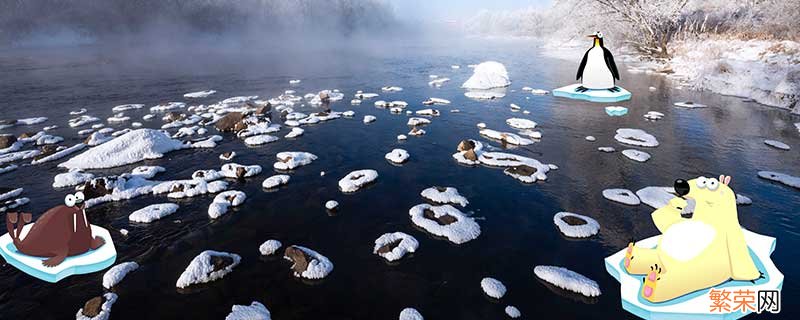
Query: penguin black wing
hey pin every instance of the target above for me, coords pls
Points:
(610, 63)
(583, 65)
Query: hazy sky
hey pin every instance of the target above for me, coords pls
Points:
(454, 9)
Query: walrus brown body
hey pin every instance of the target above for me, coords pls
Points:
(60, 232)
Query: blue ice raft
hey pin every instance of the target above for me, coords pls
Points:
(595, 95)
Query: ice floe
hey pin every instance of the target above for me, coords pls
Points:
(411, 313)
(656, 197)
(227, 156)
(568, 280)
(606, 149)
(777, 144)
(524, 169)
(445, 221)
(72, 178)
(393, 246)
(147, 172)
(636, 137)
(513, 312)
(392, 89)
(369, 118)
(428, 112)
(82, 121)
(442, 195)
(624, 196)
(8, 194)
(115, 274)
(199, 94)
(208, 266)
(169, 106)
(401, 137)
(616, 111)
(255, 311)
(307, 263)
(98, 308)
(488, 75)
(689, 104)
(493, 287)
(484, 94)
(349, 113)
(225, 200)
(397, 156)
(289, 160)
(260, 139)
(294, 133)
(576, 225)
(275, 181)
(414, 121)
(786, 179)
(519, 123)
(653, 115)
(77, 112)
(331, 204)
(506, 137)
(8, 168)
(590, 138)
(636, 155)
(132, 147)
(438, 82)
(357, 179)
(743, 200)
(269, 247)
(153, 212)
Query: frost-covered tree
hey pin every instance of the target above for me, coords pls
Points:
(652, 22)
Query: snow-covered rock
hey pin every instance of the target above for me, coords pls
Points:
(115, 274)
(636, 155)
(636, 137)
(72, 178)
(308, 263)
(294, 133)
(223, 201)
(507, 137)
(590, 138)
(414, 121)
(153, 212)
(445, 221)
(606, 149)
(109, 299)
(513, 312)
(260, 139)
(493, 287)
(208, 266)
(275, 181)
(357, 179)
(624, 196)
(255, 311)
(269, 247)
(519, 123)
(331, 204)
(369, 118)
(289, 160)
(568, 280)
(147, 172)
(235, 170)
(448, 195)
(488, 75)
(393, 246)
(397, 156)
(401, 137)
(132, 147)
(576, 225)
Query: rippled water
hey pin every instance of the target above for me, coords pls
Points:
(442, 280)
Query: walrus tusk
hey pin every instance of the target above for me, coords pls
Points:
(85, 223)
(74, 222)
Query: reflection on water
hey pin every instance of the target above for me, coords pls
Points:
(440, 279)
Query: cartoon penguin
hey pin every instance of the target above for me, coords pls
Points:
(597, 70)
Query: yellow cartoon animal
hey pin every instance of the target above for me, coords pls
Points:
(702, 244)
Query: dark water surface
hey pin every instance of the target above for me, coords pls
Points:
(441, 280)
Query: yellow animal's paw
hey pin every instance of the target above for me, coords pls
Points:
(650, 282)
(629, 257)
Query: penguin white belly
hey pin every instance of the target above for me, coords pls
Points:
(685, 240)
(596, 74)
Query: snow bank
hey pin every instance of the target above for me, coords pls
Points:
(153, 212)
(289, 160)
(269, 247)
(636, 137)
(308, 263)
(393, 246)
(445, 221)
(624, 196)
(576, 225)
(225, 200)
(275, 181)
(448, 195)
(568, 279)
(208, 266)
(493, 287)
(132, 147)
(357, 179)
(115, 274)
(255, 311)
(488, 75)
(397, 156)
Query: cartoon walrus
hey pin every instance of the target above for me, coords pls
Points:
(702, 243)
(60, 232)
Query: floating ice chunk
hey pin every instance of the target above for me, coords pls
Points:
(397, 156)
(656, 197)
(257, 129)
(493, 287)
(689, 104)
(308, 263)
(636, 155)
(653, 115)
(147, 172)
(484, 95)
(294, 81)
(269, 247)
(132, 147)
(115, 274)
(10, 194)
(575, 225)
(506, 137)
(208, 266)
(596, 95)
(20, 155)
(82, 121)
(606, 149)
(153, 212)
(539, 92)
(260, 140)
(354, 102)
(365, 95)
(428, 112)
(357, 179)
(445, 221)
(275, 181)
(289, 160)
(78, 112)
(188, 189)
(168, 107)
(622, 196)
(227, 156)
(438, 82)
(411, 313)
(381, 104)
(436, 101)
(786, 179)
(797, 125)
(235, 170)
(636, 137)
(519, 123)
(777, 144)
(393, 246)
(331, 204)
(416, 131)
(401, 137)
(31, 121)
(568, 279)
(118, 118)
(296, 116)
(414, 121)
(441, 195)
(591, 138)
(255, 311)
(488, 75)
(481, 125)
(616, 111)
(225, 200)
(8, 168)
(199, 94)
(349, 113)
(72, 178)
(514, 107)
(105, 309)
(455, 66)
(392, 89)
(743, 200)
(48, 139)
(513, 312)
(369, 118)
